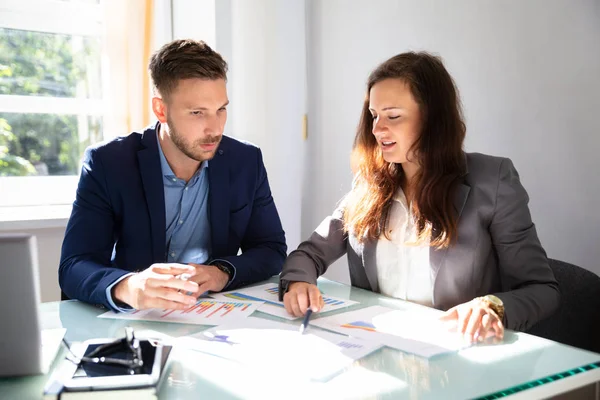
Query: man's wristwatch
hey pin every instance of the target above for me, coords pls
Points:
(495, 304)
(224, 267)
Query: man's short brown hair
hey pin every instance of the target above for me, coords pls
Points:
(184, 59)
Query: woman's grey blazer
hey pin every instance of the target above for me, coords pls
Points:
(497, 252)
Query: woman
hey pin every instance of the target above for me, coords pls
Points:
(426, 222)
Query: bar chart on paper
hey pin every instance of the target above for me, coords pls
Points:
(204, 312)
(269, 295)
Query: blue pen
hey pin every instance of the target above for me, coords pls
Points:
(305, 322)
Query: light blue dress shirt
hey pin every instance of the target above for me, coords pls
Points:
(187, 220)
(186, 210)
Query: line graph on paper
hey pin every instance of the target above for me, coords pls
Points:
(269, 295)
(204, 312)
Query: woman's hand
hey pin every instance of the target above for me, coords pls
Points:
(475, 320)
(300, 297)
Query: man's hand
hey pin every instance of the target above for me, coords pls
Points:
(208, 277)
(157, 287)
(300, 296)
(475, 320)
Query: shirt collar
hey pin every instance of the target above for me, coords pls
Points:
(400, 197)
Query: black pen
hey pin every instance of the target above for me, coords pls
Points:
(305, 322)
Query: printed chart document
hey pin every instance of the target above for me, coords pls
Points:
(260, 343)
(407, 331)
(204, 312)
(269, 294)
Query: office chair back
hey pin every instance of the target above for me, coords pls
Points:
(577, 321)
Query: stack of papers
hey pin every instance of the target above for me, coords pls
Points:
(257, 342)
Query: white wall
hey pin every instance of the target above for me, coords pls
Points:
(49, 242)
(264, 44)
(529, 75)
(193, 19)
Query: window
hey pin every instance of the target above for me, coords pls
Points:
(51, 100)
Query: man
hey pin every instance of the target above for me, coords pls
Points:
(178, 200)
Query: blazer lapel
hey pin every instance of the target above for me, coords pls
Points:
(367, 251)
(150, 170)
(460, 198)
(437, 257)
(218, 201)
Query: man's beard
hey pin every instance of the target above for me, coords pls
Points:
(193, 151)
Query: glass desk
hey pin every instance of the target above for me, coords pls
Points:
(523, 366)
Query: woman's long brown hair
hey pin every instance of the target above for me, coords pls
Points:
(438, 151)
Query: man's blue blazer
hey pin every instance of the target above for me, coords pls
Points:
(118, 220)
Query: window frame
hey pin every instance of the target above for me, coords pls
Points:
(47, 16)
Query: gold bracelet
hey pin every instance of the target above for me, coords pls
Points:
(495, 304)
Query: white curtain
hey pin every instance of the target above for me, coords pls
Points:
(127, 49)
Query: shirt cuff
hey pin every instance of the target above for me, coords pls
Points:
(111, 302)
(232, 276)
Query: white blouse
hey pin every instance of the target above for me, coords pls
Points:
(403, 268)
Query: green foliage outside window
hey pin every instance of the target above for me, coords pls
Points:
(48, 65)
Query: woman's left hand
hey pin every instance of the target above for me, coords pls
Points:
(475, 320)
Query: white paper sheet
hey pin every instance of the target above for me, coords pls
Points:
(51, 341)
(266, 344)
(204, 312)
(268, 293)
(407, 331)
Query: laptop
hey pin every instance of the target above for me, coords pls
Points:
(20, 335)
